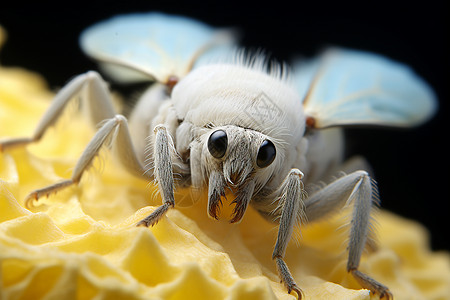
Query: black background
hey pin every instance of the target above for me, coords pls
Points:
(411, 166)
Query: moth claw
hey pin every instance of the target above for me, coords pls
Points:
(33, 196)
(297, 290)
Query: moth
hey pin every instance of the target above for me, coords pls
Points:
(233, 123)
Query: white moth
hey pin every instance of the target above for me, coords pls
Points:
(233, 124)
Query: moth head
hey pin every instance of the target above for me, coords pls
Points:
(237, 161)
(239, 153)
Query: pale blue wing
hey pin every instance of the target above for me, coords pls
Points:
(152, 46)
(347, 87)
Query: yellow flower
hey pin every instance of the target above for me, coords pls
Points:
(82, 243)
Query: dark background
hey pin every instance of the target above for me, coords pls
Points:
(411, 166)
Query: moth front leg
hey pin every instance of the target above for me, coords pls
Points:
(292, 208)
(163, 173)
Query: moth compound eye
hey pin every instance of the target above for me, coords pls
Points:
(217, 143)
(266, 154)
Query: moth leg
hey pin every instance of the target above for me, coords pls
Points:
(123, 147)
(292, 207)
(163, 173)
(97, 98)
(360, 189)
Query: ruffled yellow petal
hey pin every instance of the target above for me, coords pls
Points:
(83, 243)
